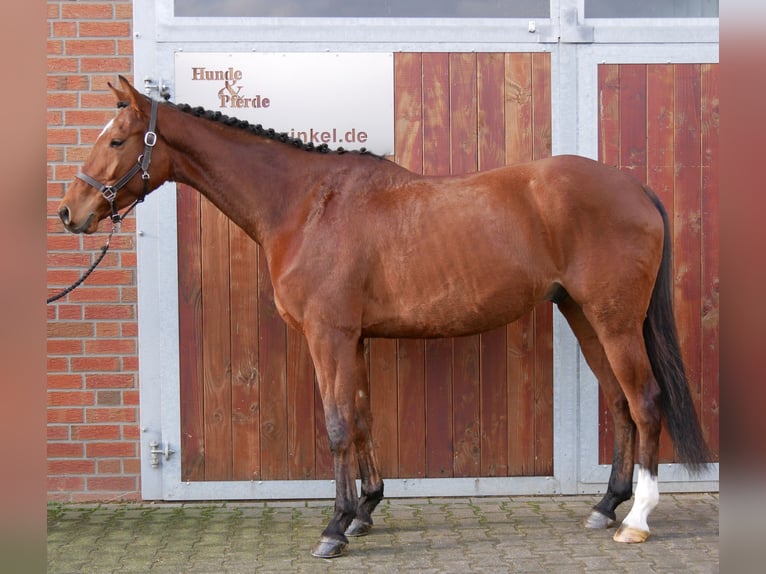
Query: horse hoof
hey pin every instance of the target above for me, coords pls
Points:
(358, 528)
(597, 520)
(630, 535)
(329, 548)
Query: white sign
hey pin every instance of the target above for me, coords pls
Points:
(339, 99)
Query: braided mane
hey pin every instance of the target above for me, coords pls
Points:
(269, 133)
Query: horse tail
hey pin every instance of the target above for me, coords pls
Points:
(662, 346)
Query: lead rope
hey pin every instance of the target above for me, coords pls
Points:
(85, 275)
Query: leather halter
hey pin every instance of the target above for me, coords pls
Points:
(142, 164)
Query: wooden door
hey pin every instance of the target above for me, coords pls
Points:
(470, 406)
(660, 123)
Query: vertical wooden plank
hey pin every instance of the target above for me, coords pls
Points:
(609, 114)
(273, 371)
(520, 334)
(383, 401)
(408, 135)
(466, 370)
(542, 128)
(709, 85)
(543, 313)
(245, 396)
(436, 161)
(660, 160)
(609, 153)
(687, 227)
(633, 120)
(190, 334)
(490, 74)
(300, 412)
(216, 347)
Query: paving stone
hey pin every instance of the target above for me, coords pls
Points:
(493, 534)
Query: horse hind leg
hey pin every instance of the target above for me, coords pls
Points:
(627, 355)
(620, 486)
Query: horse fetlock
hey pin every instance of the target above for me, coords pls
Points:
(597, 520)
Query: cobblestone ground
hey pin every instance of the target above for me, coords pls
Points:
(492, 534)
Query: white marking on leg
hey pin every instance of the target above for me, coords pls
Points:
(646, 499)
(106, 127)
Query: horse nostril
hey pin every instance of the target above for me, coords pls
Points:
(64, 214)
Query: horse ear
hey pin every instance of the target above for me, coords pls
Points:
(130, 94)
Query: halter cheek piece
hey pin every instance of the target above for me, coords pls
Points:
(142, 164)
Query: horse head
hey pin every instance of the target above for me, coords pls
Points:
(124, 165)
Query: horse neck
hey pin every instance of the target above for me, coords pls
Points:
(253, 180)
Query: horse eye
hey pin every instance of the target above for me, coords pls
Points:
(116, 143)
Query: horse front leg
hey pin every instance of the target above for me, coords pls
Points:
(372, 483)
(339, 362)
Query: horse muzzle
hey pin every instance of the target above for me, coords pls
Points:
(66, 218)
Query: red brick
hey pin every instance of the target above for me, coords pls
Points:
(109, 466)
(131, 432)
(91, 364)
(64, 347)
(111, 449)
(109, 398)
(108, 329)
(130, 363)
(129, 329)
(90, 47)
(66, 483)
(87, 294)
(130, 398)
(76, 259)
(105, 415)
(104, 29)
(110, 347)
(86, 11)
(64, 381)
(58, 365)
(109, 312)
(71, 65)
(123, 10)
(63, 242)
(58, 432)
(55, 48)
(70, 330)
(64, 450)
(62, 100)
(88, 117)
(104, 64)
(117, 381)
(65, 415)
(70, 398)
(96, 432)
(64, 29)
(112, 277)
(70, 312)
(62, 136)
(112, 483)
(131, 466)
(80, 466)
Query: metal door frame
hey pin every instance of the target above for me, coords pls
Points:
(577, 46)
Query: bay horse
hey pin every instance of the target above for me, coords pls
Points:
(358, 247)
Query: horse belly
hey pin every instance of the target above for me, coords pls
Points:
(433, 300)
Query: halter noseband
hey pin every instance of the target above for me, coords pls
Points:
(142, 164)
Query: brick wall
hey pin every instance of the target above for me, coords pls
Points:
(92, 333)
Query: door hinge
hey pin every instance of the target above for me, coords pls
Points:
(161, 87)
(158, 449)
